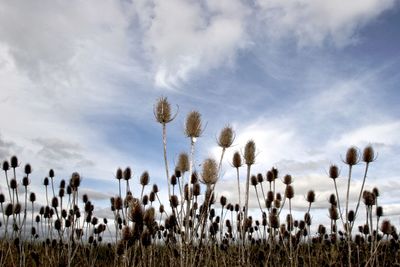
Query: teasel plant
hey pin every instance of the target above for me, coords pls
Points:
(163, 114)
(193, 130)
(249, 157)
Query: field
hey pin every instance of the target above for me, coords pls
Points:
(191, 227)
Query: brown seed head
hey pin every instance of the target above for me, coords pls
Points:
(196, 189)
(193, 127)
(237, 160)
(174, 201)
(162, 111)
(226, 137)
(28, 169)
(351, 216)
(289, 192)
(75, 180)
(223, 201)
(14, 162)
(311, 196)
(210, 171)
(379, 211)
(287, 179)
(250, 152)
(127, 173)
(119, 174)
(386, 227)
(352, 156)
(368, 154)
(144, 178)
(253, 180)
(333, 213)
(183, 162)
(334, 171)
(260, 178)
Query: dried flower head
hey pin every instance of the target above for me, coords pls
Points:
(289, 192)
(28, 169)
(253, 180)
(368, 154)
(14, 162)
(311, 196)
(250, 152)
(226, 137)
(287, 179)
(75, 180)
(162, 111)
(127, 173)
(210, 171)
(6, 166)
(386, 227)
(193, 125)
(183, 162)
(144, 178)
(334, 172)
(237, 160)
(352, 156)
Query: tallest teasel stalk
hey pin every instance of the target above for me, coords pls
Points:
(162, 113)
(249, 157)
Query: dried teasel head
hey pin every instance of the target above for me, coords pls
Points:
(183, 162)
(237, 160)
(287, 179)
(193, 127)
(5, 166)
(75, 181)
(368, 154)
(14, 162)
(28, 169)
(127, 173)
(254, 180)
(162, 111)
(289, 192)
(386, 227)
(226, 137)
(334, 171)
(210, 171)
(311, 196)
(144, 178)
(352, 156)
(250, 152)
(119, 174)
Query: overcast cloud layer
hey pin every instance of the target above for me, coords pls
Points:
(304, 79)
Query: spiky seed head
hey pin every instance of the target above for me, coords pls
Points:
(54, 202)
(311, 196)
(332, 200)
(183, 162)
(174, 180)
(127, 173)
(379, 211)
(279, 196)
(17, 208)
(193, 127)
(368, 154)
(46, 181)
(237, 160)
(194, 178)
(369, 198)
(352, 156)
(119, 174)
(152, 196)
(210, 171)
(226, 137)
(28, 169)
(223, 201)
(75, 181)
(149, 216)
(334, 172)
(62, 183)
(333, 213)
(146, 238)
(351, 216)
(9, 210)
(13, 184)
(289, 192)
(287, 179)
(25, 181)
(250, 152)
(174, 201)
(375, 191)
(260, 178)
(253, 180)
(162, 111)
(51, 173)
(307, 218)
(2, 198)
(270, 196)
(6, 166)
(145, 200)
(196, 189)
(277, 203)
(386, 227)
(144, 178)
(161, 208)
(14, 162)
(126, 233)
(270, 176)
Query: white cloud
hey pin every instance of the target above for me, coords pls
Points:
(315, 22)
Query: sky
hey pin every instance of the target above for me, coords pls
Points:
(304, 79)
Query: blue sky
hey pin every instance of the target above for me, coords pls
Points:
(304, 79)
